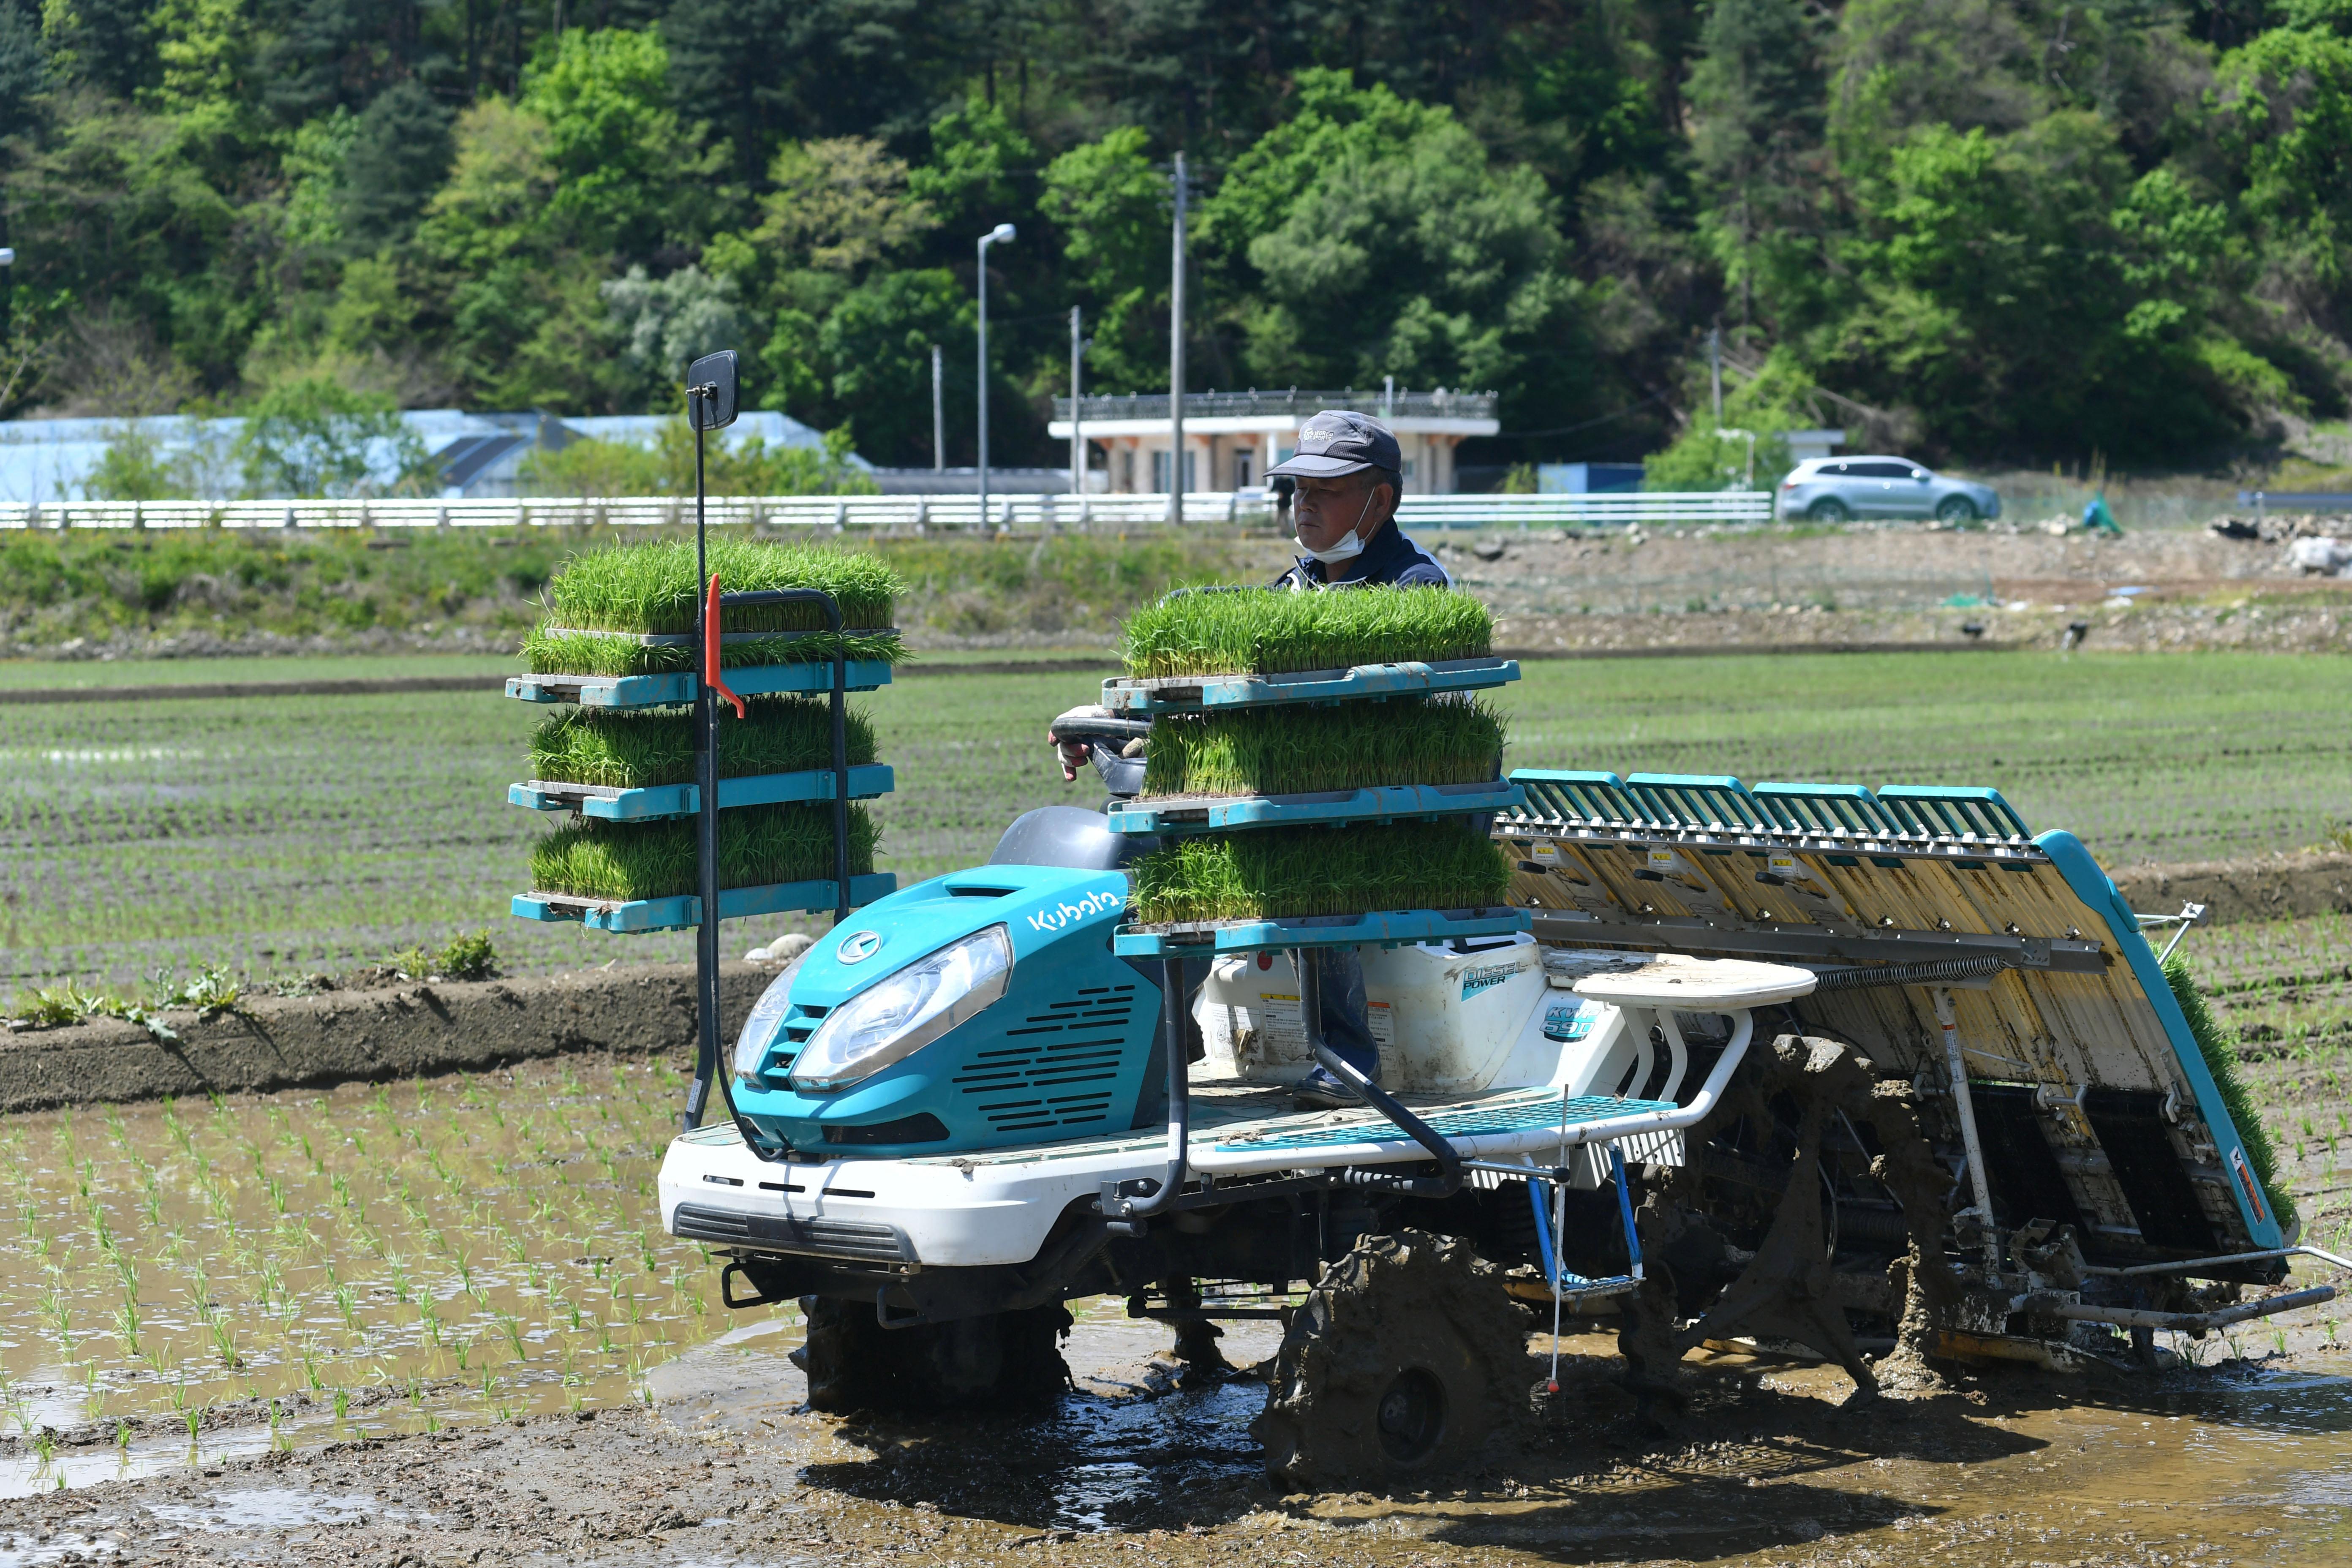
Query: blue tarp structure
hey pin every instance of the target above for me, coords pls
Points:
(45, 460)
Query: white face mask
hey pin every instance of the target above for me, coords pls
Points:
(1350, 545)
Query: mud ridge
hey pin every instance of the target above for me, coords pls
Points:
(2293, 886)
(389, 1033)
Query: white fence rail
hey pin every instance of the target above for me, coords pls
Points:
(948, 511)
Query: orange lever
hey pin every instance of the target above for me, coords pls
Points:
(711, 651)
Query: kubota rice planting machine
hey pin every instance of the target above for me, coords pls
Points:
(1799, 1062)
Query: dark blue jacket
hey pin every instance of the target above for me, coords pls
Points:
(1388, 557)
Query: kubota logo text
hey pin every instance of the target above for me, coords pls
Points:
(1059, 917)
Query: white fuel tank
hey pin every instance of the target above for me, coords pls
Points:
(1446, 1021)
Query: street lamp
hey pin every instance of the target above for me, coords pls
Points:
(1000, 235)
(7, 257)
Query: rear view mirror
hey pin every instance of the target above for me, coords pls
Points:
(718, 379)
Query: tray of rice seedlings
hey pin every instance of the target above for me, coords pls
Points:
(642, 876)
(628, 765)
(1312, 886)
(1241, 647)
(1348, 761)
(619, 628)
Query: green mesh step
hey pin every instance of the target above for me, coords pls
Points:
(1476, 1122)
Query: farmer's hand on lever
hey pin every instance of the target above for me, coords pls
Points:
(1072, 754)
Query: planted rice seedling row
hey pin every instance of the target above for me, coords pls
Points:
(464, 1249)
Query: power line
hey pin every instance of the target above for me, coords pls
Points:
(1587, 425)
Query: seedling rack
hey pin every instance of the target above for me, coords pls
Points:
(1127, 1202)
(1195, 693)
(712, 385)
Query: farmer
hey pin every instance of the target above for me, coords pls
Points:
(1348, 475)
(1351, 476)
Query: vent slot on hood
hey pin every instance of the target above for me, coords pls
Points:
(1055, 1069)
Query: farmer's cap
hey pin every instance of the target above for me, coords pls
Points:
(1338, 441)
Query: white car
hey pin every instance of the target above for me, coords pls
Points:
(1837, 490)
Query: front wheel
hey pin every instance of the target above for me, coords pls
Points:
(1829, 508)
(1403, 1363)
(1005, 1359)
(1956, 508)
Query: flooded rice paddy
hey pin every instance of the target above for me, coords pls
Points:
(391, 1257)
(438, 1323)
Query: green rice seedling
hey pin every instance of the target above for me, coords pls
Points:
(1351, 745)
(632, 750)
(757, 844)
(1263, 631)
(1314, 871)
(2222, 1061)
(653, 587)
(623, 590)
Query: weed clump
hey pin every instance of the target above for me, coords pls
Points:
(631, 749)
(1266, 631)
(757, 844)
(2222, 1061)
(468, 955)
(1297, 872)
(1351, 745)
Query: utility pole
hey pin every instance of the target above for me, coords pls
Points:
(1714, 369)
(1176, 357)
(1000, 235)
(1388, 398)
(1077, 439)
(938, 418)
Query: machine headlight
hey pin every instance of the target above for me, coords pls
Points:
(902, 1013)
(760, 1026)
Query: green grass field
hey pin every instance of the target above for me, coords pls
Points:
(282, 834)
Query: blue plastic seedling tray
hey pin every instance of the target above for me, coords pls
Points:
(677, 687)
(1192, 941)
(1221, 814)
(659, 801)
(1203, 693)
(671, 914)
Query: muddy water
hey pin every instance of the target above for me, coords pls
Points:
(421, 1252)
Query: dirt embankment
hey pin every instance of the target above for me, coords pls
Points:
(2158, 589)
(447, 1027)
(379, 1033)
(2265, 888)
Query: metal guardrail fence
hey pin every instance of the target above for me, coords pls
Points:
(1438, 405)
(935, 512)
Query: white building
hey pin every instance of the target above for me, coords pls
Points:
(1231, 438)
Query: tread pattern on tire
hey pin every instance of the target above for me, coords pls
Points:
(1411, 1300)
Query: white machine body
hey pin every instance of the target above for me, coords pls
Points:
(1505, 1027)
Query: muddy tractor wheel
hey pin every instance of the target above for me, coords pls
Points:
(1005, 1359)
(1402, 1364)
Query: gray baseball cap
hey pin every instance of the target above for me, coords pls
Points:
(1339, 441)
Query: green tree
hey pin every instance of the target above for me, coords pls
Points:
(314, 438)
(613, 143)
(1111, 201)
(839, 204)
(876, 348)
